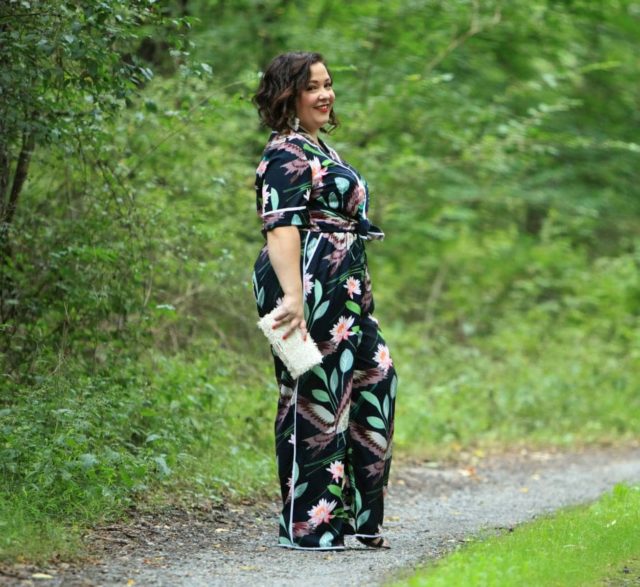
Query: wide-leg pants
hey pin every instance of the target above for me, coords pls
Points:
(334, 425)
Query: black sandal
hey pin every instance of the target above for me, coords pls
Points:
(374, 542)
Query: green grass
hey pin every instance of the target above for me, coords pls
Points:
(79, 450)
(587, 545)
(521, 384)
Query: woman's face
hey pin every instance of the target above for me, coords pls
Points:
(315, 101)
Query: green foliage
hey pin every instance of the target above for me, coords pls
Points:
(68, 66)
(578, 546)
(83, 449)
(498, 139)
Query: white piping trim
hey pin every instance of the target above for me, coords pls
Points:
(306, 261)
(293, 485)
(368, 535)
(283, 210)
(311, 547)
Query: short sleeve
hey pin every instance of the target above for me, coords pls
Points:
(283, 186)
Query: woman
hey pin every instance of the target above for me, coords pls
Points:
(335, 423)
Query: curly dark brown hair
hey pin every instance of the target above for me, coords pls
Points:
(283, 80)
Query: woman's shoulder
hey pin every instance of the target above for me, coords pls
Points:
(290, 142)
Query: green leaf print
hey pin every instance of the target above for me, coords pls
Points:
(333, 385)
(362, 518)
(321, 395)
(372, 399)
(286, 541)
(394, 385)
(261, 297)
(326, 539)
(336, 490)
(385, 407)
(319, 371)
(333, 201)
(355, 308)
(376, 422)
(282, 522)
(322, 310)
(342, 184)
(296, 220)
(275, 198)
(315, 151)
(317, 290)
(358, 501)
(295, 473)
(300, 489)
(346, 360)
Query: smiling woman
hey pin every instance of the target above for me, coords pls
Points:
(315, 102)
(334, 426)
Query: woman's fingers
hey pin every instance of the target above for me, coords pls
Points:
(290, 314)
(293, 326)
(293, 323)
(280, 318)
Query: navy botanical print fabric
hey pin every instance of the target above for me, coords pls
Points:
(334, 425)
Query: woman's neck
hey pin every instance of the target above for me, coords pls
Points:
(312, 136)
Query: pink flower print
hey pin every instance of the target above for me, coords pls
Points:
(357, 198)
(307, 284)
(266, 193)
(317, 172)
(301, 529)
(289, 483)
(340, 330)
(337, 470)
(321, 513)
(383, 358)
(262, 168)
(353, 287)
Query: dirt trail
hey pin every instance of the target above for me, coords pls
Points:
(430, 510)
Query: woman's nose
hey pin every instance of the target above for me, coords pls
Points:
(325, 94)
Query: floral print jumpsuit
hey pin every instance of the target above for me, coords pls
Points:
(334, 425)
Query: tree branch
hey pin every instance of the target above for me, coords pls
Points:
(475, 26)
(22, 169)
(5, 171)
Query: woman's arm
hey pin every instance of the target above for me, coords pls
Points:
(283, 246)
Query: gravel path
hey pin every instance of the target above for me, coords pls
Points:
(431, 509)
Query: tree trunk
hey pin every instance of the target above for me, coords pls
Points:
(22, 169)
(5, 172)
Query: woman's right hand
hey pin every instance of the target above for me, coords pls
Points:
(291, 313)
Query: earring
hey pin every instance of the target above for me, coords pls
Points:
(296, 123)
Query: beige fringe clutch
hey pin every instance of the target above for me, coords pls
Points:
(297, 354)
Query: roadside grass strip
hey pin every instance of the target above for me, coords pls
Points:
(584, 545)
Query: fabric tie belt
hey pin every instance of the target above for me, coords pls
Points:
(360, 226)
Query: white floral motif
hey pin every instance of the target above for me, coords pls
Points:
(383, 358)
(321, 513)
(340, 330)
(353, 287)
(337, 470)
(317, 172)
(307, 284)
